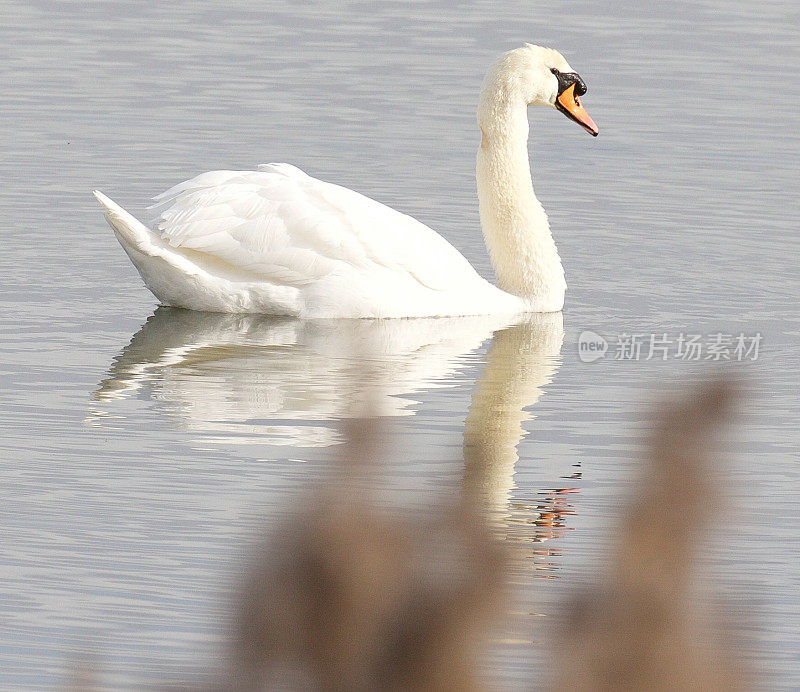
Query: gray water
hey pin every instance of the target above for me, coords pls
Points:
(141, 450)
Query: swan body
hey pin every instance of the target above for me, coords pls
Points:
(278, 241)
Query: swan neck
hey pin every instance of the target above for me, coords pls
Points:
(514, 223)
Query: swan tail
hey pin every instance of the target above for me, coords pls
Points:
(141, 243)
(130, 232)
(165, 271)
(189, 279)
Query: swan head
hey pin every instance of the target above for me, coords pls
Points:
(534, 75)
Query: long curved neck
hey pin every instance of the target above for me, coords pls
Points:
(514, 222)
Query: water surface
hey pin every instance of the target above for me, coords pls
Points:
(140, 448)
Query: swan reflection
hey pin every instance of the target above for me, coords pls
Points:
(522, 359)
(281, 381)
(284, 381)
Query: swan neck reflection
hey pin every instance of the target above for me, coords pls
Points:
(522, 359)
(250, 379)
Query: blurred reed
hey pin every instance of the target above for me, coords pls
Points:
(643, 626)
(347, 595)
(344, 594)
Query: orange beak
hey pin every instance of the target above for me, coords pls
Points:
(569, 104)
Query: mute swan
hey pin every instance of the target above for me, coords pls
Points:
(277, 241)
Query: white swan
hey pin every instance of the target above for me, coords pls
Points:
(278, 241)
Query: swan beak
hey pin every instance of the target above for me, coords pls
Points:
(569, 104)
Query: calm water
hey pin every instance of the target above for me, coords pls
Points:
(139, 448)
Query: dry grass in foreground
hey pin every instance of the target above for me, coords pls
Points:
(345, 596)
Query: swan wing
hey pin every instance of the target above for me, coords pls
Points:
(289, 228)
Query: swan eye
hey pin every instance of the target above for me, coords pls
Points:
(554, 71)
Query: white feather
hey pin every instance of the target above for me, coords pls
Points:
(278, 241)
